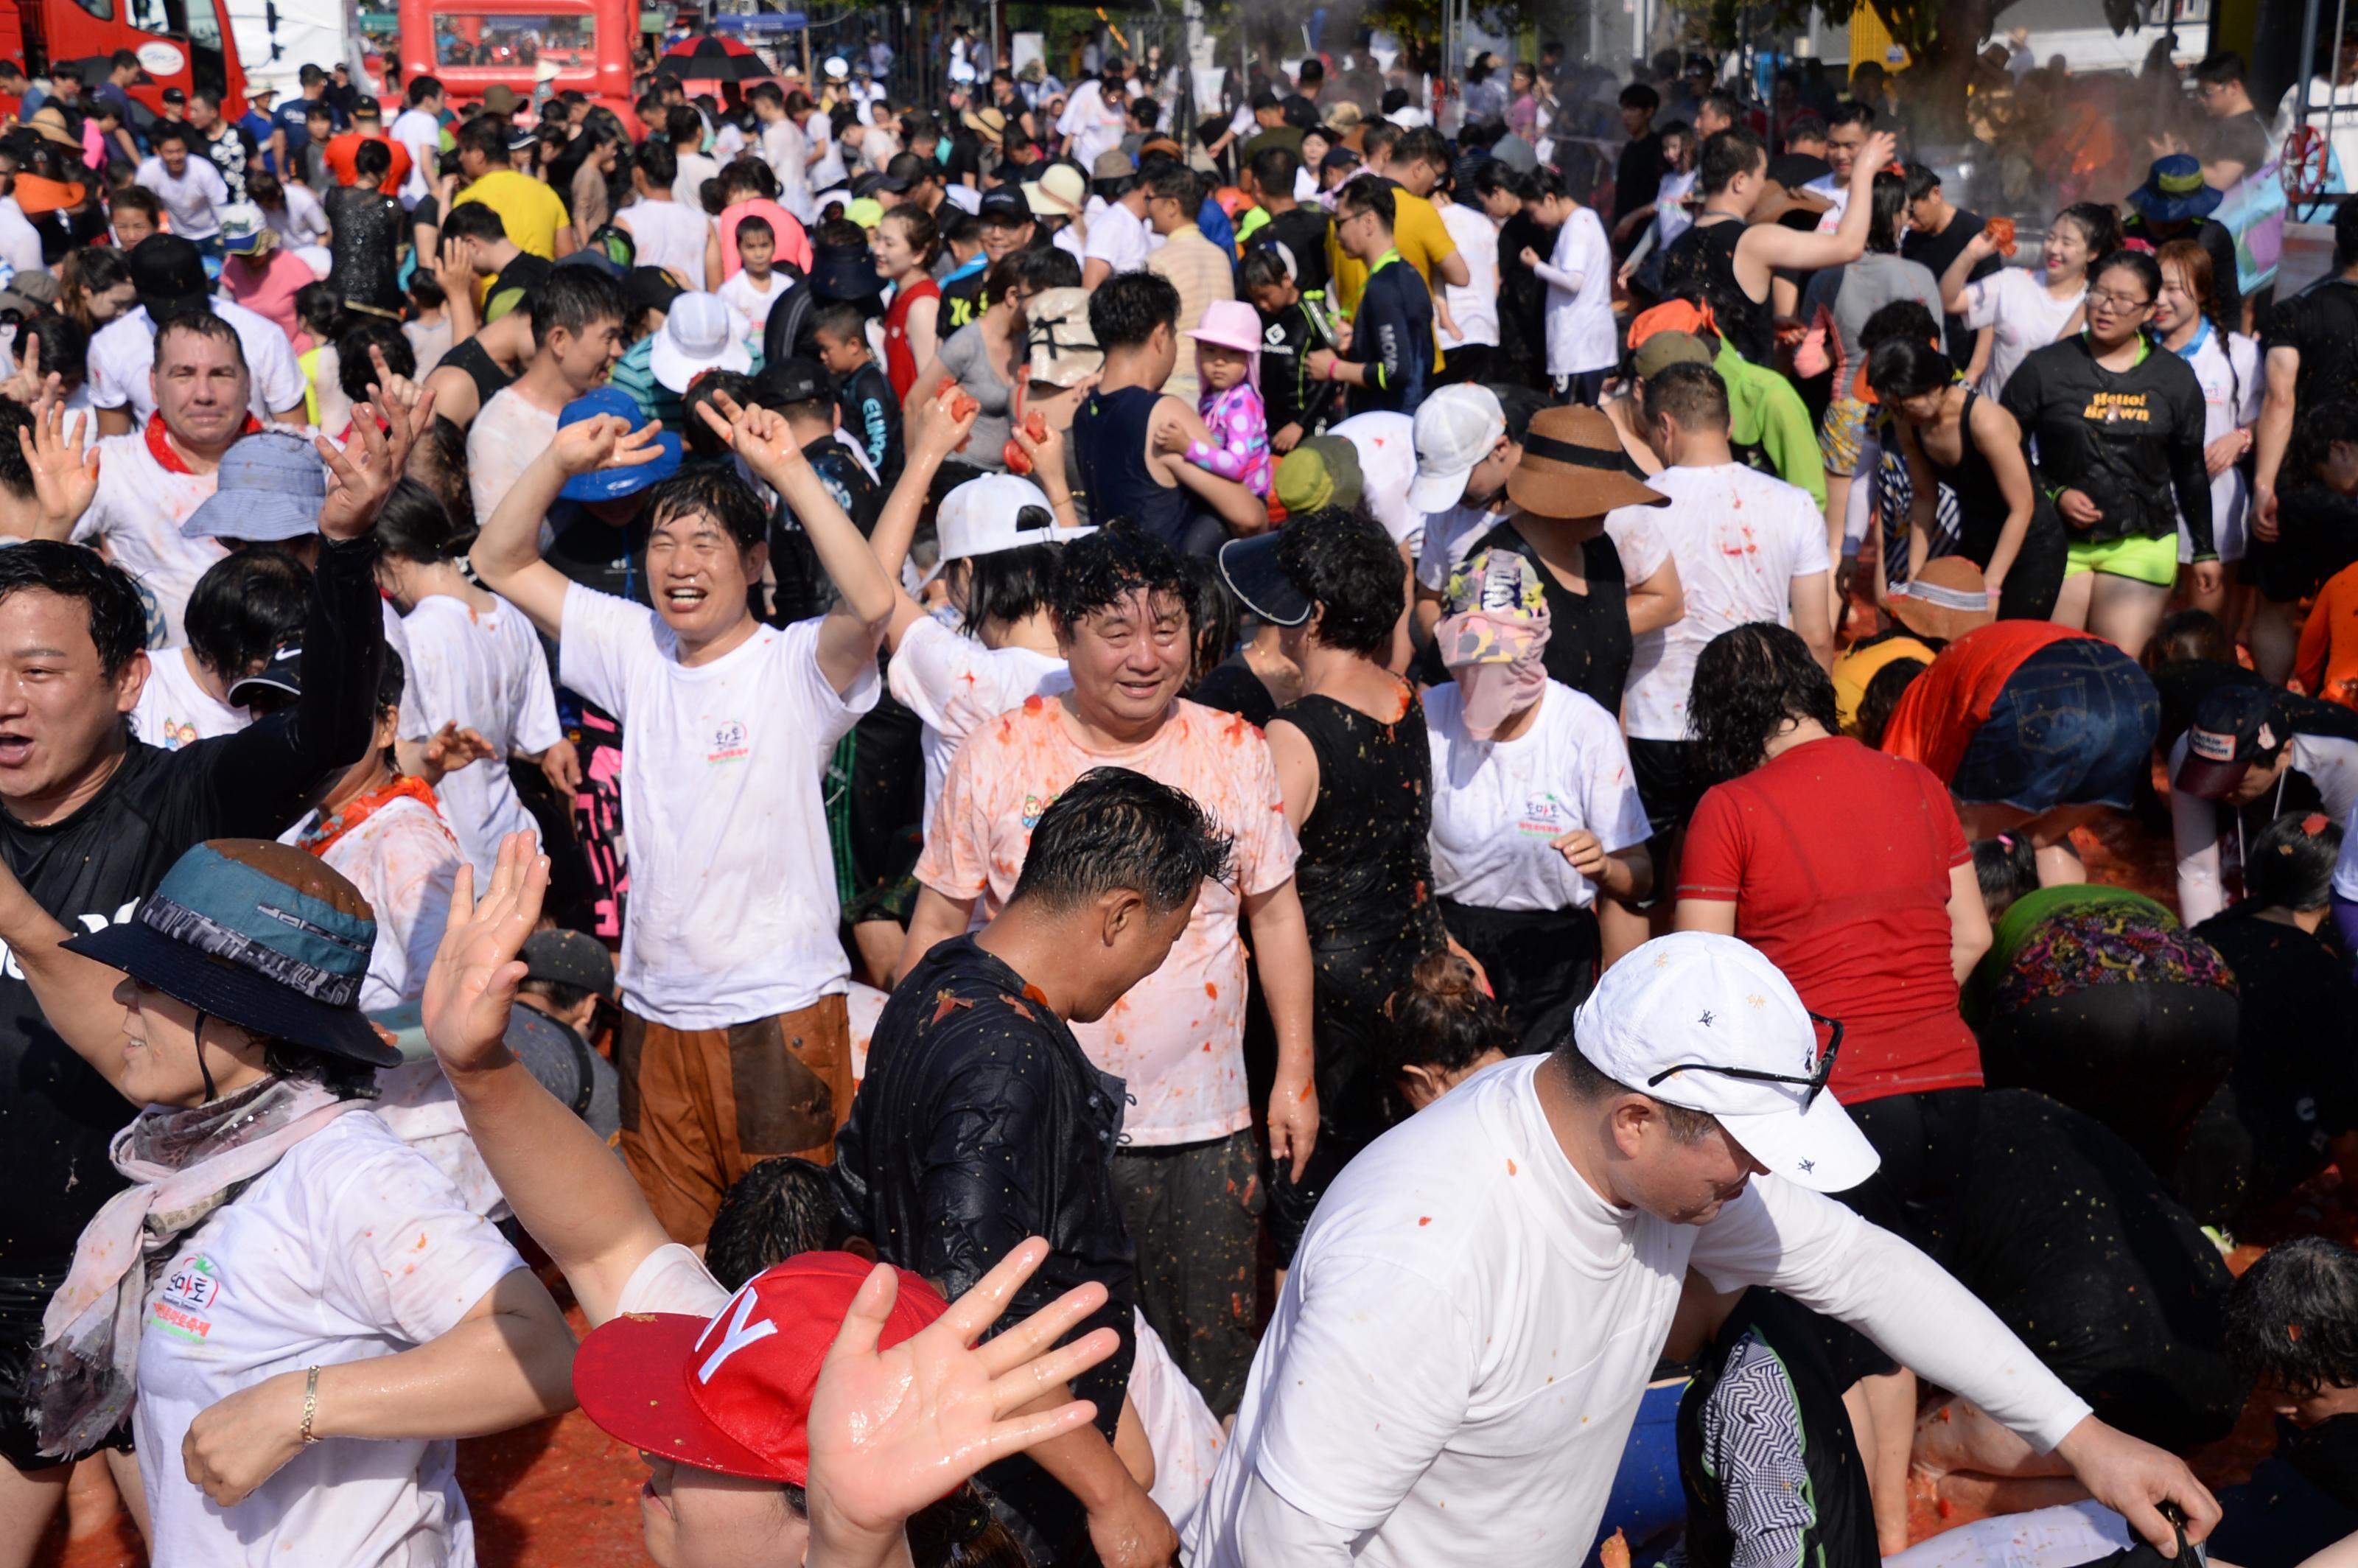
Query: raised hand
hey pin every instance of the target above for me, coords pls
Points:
(392, 390)
(941, 424)
(472, 983)
(28, 385)
(453, 748)
(758, 435)
(604, 441)
(65, 477)
(362, 476)
(893, 1429)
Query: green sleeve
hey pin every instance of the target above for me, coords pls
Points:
(1790, 439)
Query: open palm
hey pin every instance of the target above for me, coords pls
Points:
(472, 985)
(894, 1430)
(65, 476)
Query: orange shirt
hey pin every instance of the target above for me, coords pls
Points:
(2328, 664)
(1938, 716)
(342, 148)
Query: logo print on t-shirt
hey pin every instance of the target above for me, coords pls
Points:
(189, 1294)
(730, 743)
(1542, 816)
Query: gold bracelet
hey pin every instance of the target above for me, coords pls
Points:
(310, 1405)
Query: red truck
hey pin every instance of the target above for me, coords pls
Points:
(470, 46)
(185, 43)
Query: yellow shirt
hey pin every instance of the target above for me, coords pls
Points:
(1421, 238)
(530, 212)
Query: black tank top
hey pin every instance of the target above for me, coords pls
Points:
(1704, 260)
(1366, 880)
(480, 368)
(1109, 442)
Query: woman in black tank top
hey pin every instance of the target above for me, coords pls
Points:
(1703, 261)
(1990, 477)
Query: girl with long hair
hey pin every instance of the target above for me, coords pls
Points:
(2188, 321)
(2029, 309)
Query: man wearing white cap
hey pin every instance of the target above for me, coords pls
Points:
(1461, 1347)
(1466, 448)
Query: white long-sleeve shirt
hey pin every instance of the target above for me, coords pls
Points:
(2331, 764)
(1462, 1344)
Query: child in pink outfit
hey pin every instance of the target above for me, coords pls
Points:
(1228, 366)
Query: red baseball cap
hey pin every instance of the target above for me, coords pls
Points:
(733, 1393)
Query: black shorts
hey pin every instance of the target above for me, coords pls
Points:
(23, 1300)
(1670, 783)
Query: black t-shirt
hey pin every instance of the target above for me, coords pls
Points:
(1638, 177)
(965, 157)
(2296, 1072)
(1795, 170)
(57, 1114)
(2321, 323)
(1589, 643)
(804, 587)
(1938, 253)
(1303, 232)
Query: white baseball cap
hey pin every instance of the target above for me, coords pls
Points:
(1705, 1022)
(701, 333)
(997, 511)
(1455, 429)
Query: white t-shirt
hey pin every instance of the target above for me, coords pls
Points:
(123, 359)
(1580, 332)
(755, 302)
(2233, 386)
(422, 134)
(353, 1247)
(1741, 539)
(2026, 317)
(507, 434)
(1387, 446)
(302, 222)
(952, 683)
(487, 672)
(1117, 237)
(1499, 806)
(192, 199)
(2329, 762)
(1672, 218)
(176, 710)
(786, 148)
(670, 236)
(20, 242)
(404, 862)
(1448, 535)
(734, 908)
(687, 185)
(1461, 1346)
(827, 171)
(1094, 127)
(1474, 307)
(137, 514)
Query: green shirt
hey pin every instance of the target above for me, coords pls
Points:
(1763, 411)
(2024, 917)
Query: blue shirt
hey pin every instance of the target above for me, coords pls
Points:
(289, 117)
(1213, 219)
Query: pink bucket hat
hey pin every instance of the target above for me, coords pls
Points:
(1230, 324)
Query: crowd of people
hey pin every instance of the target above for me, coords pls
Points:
(1167, 842)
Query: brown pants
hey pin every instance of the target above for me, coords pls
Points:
(702, 1107)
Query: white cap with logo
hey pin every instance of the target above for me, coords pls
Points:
(997, 511)
(1705, 1022)
(1455, 429)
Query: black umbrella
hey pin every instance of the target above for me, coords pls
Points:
(712, 58)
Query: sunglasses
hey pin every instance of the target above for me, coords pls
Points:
(1815, 1081)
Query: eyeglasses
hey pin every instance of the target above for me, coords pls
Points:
(1815, 1082)
(2097, 296)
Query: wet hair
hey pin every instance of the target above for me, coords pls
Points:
(703, 443)
(1881, 699)
(201, 322)
(1425, 146)
(90, 270)
(1361, 196)
(1692, 395)
(1888, 206)
(1851, 113)
(1129, 306)
(2147, 270)
(1351, 570)
(2097, 224)
(1805, 127)
(781, 1209)
(1262, 267)
(716, 492)
(1215, 616)
(684, 127)
(1590, 1084)
(1009, 585)
(16, 473)
(416, 526)
(476, 221)
(438, 461)
(139, 199)
(1900, 319)
(244, 608)
(1922, 182)
(2190, 636)
(1490, 177)
(1113, 828)
(1441, 1019)
(1904, 367)
(118, 620)
(1034, 269)
(1099, 570)
(1727, 154)
(1171, 180)
(320, 307)
(356, 370)
(1273, 169)
(1749, 683)
(575, 298)
(2290, 864)
(2007, 867)
(754, 223)
(748, 175)
(65, 347)
(923, 232)
(2292, 1318)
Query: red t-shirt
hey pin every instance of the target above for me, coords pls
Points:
(342, 148)
(1940, 713)
(1837, 859)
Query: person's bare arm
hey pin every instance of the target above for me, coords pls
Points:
(1281, 950)
(936, 919)
(1297, 770)
(1658, 599)
(75, 994)
(931, 378)
(2283, 370)
(508, 1361)
(1923, 500)
(1716, 915)
(115, 421)
(1953, 282)
(1969, 924)
(1239, 508)
(1765, 247)
(1452, 270)
(1813, 618)
(2000, 440)
(1095, 271)
(922, 326)
(929, 438)
(506, 554)
(1976, 366)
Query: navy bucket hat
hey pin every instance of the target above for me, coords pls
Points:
(261, 935)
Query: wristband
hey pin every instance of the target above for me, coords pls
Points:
(310, 1405)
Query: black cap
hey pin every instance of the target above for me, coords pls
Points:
(274, 685)
(174, 95)
(2232, 725)
(1006, 199)
(569, 958)
(650, 288)
(870, 184)
(799, 379)
(170, 274)
(1251, 569)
